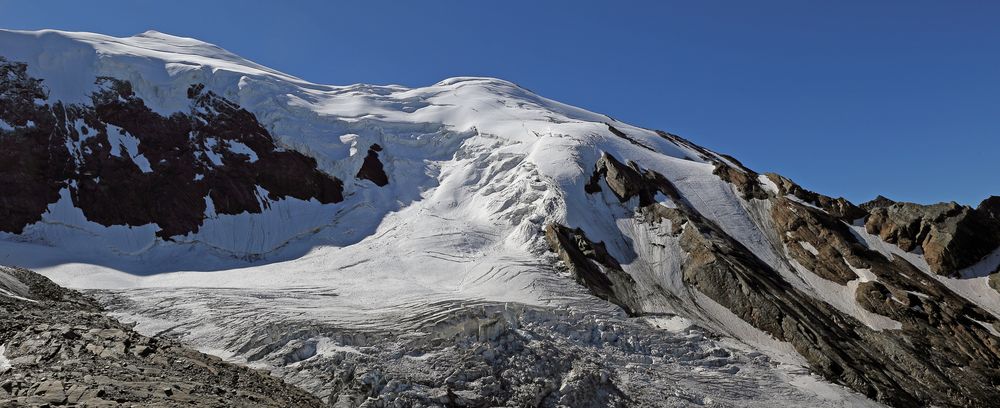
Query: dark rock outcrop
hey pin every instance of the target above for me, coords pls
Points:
(371, 168)
(990, 207)
(931, 316)
(34, 163)
(124, 164)
(63, 350)
(593, 267)
(625, 136)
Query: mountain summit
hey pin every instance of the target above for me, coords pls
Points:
(472, 243)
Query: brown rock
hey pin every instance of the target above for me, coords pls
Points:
(838, 207)
(951, 236)
(801, 227)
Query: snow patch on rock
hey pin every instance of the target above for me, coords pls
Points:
(4, 362)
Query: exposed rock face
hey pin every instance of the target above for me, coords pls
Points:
(877, 202)
(63, 351)
(889, 365)
(372, 169)
(930, 316)
(817, 242)
(990, 207)
(593, 267)
(615, 131)
(951, 236)
(34, 163)
(624, 181)
(124, 164)
(838, 207)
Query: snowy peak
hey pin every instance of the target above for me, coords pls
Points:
(156, 162)
(150, 44)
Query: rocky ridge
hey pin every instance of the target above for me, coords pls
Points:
(904, 311)
(951, 236)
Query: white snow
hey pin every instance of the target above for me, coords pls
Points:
(479, 166)
(989, 264)
(675, 324)
(119, 140)
(987, 326)
(743, 333)
(827, 391)
(843, 297)
(768, 185)
(864, 275)
(4, 362)
(7, 293)
(240, 148)
(665, 201)
(64, 228)
(803, 202)
(210, 153)
(809, 247)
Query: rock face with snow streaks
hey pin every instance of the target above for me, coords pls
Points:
(124, 164)
(887, 364)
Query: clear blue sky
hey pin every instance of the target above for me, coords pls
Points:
(851, 98)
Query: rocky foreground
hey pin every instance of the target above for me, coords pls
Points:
(58, 348)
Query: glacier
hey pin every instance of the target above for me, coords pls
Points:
(445, 266)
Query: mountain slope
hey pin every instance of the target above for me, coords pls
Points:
(321, 215)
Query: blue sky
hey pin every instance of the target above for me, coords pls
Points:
(848, 98)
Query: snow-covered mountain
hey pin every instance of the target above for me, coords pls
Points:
(429, 245)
